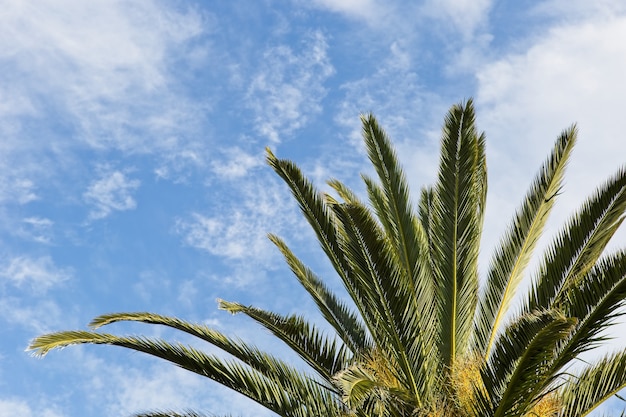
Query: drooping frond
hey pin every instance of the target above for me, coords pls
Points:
(516, 247)
(580, 244)
(248, 354)
(597, 383)
(321, 353)
(280, 388)
(345, 321)
(458, 198)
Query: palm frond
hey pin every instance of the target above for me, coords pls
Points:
(515, 250)
(321, 353)
(246, 353)
(597, 383)
(458, 199)
(389, 306)
(596, 301)
(520, 358)
(580, 244)
(343, 319)
(281, 389)
(394, 208)
(315, 210)
(426, 204)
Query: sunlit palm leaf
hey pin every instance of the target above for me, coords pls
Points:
(514, 253)
(576, 249)
(456, 228)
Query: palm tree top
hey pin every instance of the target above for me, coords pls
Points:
(422, 334)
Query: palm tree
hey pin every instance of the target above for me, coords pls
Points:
(423, 335)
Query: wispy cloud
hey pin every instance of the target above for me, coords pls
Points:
(98, 74)
(235, 163)
(38, 274)
(10, 407)
(38, 229)
(464, 16)
(17, 190)
(236, 230)
(112, 192)
(288, 88)
(369, 10)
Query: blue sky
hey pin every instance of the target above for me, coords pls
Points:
(131, 156)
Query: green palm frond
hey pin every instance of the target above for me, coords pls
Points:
(280, 388)
(345, 321)
(596, 301)
(321, 353)
(386, 303)
(246, 353)
(581, 243)
(394, 208)
(315, 210)
(516, 247)
(597, 383)
(457, 201)
(520, 360)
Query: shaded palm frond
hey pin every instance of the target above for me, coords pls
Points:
(516, 247)
(347, 324)
(392, 202)
(426, 204)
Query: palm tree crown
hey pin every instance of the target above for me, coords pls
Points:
(423, 335)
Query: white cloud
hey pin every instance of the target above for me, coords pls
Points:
(237, 230)
(572, 73)
(288, 88)
(369, 10)
(18, 190)
(235, 163)
(112, 192)
(12, 407)
(39, 274)
(98, 73)
(466, 16)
